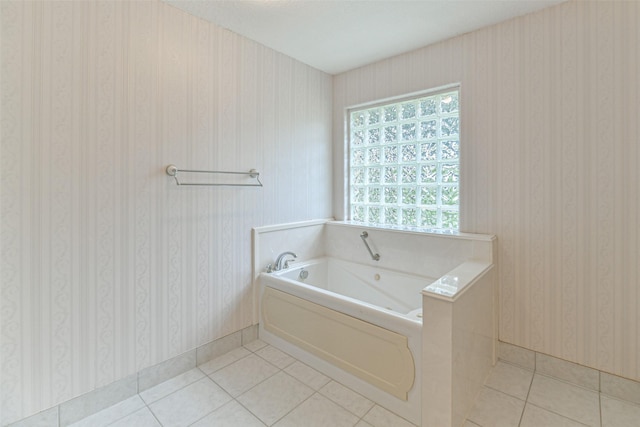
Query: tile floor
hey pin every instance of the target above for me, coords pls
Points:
(516, 397)
(258, 385)
(255, 385)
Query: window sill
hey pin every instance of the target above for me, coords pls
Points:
(413, 230)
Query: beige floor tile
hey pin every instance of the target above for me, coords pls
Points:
(230, 415)
(307, 375)
(45, 418)
(189, 404)
(565, 399)
(619, 387)
(156, 374)
(618, 413)
(568, 371)
(255, 345)
(496, 409)
(106, 397)
(112, 413)
(538, 417)
(140, 418)
(318, 411)
(275, 397)
(225, 360)
(172, 385)
(275, 356)
(347, 398)
(517, 355)
(240, 376)
(510, 379)
(380, 417)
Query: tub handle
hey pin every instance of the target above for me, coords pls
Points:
(363, 236)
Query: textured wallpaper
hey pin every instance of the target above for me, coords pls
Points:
(106, 265)
(550, 164)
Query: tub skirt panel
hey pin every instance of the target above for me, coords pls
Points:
(373, 354)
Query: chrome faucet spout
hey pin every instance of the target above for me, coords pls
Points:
(281, 262)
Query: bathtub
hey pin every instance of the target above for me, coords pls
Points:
(450, 352)
(360, 324)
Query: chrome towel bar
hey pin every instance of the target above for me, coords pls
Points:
(172, 170)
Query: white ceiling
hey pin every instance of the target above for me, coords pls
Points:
(339, 35)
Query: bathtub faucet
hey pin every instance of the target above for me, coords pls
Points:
(281, 262)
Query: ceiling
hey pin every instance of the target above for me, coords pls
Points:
(339, 35)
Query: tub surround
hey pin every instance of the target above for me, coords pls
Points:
(454, 356)
(307, 237)
(342, 340)
(439, 252)
(458, 345)
(453, 284)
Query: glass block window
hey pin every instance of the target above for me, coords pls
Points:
(404, 163)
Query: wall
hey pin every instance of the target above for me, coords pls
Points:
(550, 161)
(107, 265)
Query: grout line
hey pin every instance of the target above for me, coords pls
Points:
(557, 413)
(295, 407)
(340, 404)
(250, 411)
(152, 413)
(209, 413)
(566, 382)
(600, 406)
(504, 392)
(253, 386)
(526, 399)
(508, 362)
(117, 403)
(138, 374)
(176, 390)
(500, 392)
(125, 415)
(535, 372)
(147, 405)
(600, 395)
(367, 413)
(599, 381)
(228, 364)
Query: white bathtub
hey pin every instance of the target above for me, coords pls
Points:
(358, 323)
(452, 350)
(390, 292)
